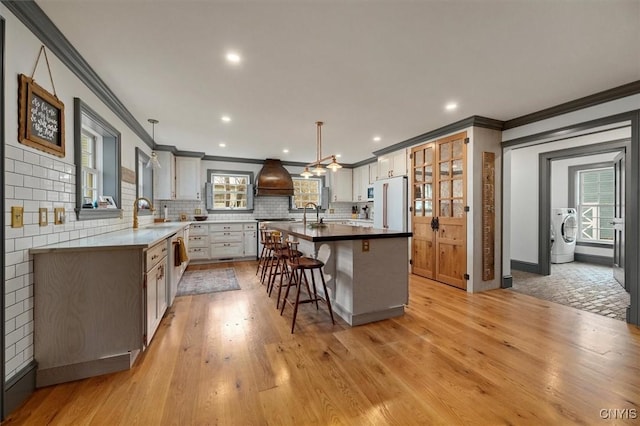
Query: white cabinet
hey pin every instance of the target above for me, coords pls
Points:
(373, 173)
(392, 164)
(226, 240)
(198, 245)
(250, 241)
(188, 178)
(360, 183)
(164, 178)
(340, 183)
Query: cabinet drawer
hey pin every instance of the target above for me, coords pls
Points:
(198, 229)
(250, 226)
(226, 237)
(198, 241)
(198, 252)
(155, 254)
(221, 227)
(226, 250)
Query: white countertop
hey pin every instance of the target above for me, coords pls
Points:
(124, 239)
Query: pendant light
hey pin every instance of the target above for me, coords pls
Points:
(153, 161)
(318, 168)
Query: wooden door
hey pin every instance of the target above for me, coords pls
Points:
(423, 241)
(438, 210)
(451, 239)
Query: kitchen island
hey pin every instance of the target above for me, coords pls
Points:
(367, 269)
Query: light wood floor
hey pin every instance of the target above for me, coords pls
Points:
(453, 358)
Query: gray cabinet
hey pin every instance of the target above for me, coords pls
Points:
(95, 309)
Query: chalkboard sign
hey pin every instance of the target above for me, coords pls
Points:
(41, 118)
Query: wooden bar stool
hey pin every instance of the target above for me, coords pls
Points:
(272, 267)
(266, 253)
(298, 266)
(282, 255)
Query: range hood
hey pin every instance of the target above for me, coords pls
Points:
(273, 180)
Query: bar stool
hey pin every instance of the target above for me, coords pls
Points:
(282, 255)
(266, 253)
(298, 266)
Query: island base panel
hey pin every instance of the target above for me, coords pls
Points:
(83, 370)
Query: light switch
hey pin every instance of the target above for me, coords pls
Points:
(42, 216)
(17, 216)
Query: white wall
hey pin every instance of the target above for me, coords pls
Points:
(35, 179)
(523, 195)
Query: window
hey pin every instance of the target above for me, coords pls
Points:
(229, 190)
(97, 154)
(91, 145)
(595, 204)
(306, 191)
(144, 181)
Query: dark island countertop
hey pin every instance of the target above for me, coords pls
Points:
(335, 232)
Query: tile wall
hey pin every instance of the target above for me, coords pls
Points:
(35, 180)
(264, 207)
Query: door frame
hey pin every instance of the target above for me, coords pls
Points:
(2, 221)
(632, 180)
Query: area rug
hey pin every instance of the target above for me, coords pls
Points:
(207, 281)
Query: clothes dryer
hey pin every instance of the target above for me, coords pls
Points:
(564, 228)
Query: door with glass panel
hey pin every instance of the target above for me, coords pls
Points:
(439, 217)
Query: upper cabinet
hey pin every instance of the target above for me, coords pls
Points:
(392, 164)
(340, 183)
(165, 177)
(188, 178)
(361, 182)
(373, 172)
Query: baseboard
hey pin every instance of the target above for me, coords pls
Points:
(592, 258)
(519, 265)
(18, 388)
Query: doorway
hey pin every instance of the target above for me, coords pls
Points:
(606, 139)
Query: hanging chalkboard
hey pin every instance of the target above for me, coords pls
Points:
(41, 118)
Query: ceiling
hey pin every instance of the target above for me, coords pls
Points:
(365, 68)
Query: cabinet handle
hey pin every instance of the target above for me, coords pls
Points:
(197, 195)
(154, 257)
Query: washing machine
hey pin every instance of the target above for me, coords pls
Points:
(564, 228)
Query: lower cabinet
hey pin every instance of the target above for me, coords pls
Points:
(96, 310)
(156, 288)
(226, 240)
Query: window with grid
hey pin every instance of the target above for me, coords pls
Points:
(596, 203)
(90, 148)
(306, 191)
(230, 191)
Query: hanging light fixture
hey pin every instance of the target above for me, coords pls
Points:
(318, 168)
(153, 161)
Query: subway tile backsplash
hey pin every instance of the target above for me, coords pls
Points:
(263, 207)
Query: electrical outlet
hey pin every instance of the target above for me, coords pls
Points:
(365, 245)
(58, 215)
(332, 211)
(17, 216)
(43, 218)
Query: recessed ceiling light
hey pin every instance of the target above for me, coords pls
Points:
(451, 106)
(377, 138)
(226, 118)
(338, 155)
(233, 57)
(222, 144)
(286, 151)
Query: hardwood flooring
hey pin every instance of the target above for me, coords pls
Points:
(454, 358)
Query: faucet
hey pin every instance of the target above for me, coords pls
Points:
(135, 210)
(304, 213)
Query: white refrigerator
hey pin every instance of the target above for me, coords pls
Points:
(390, 204)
